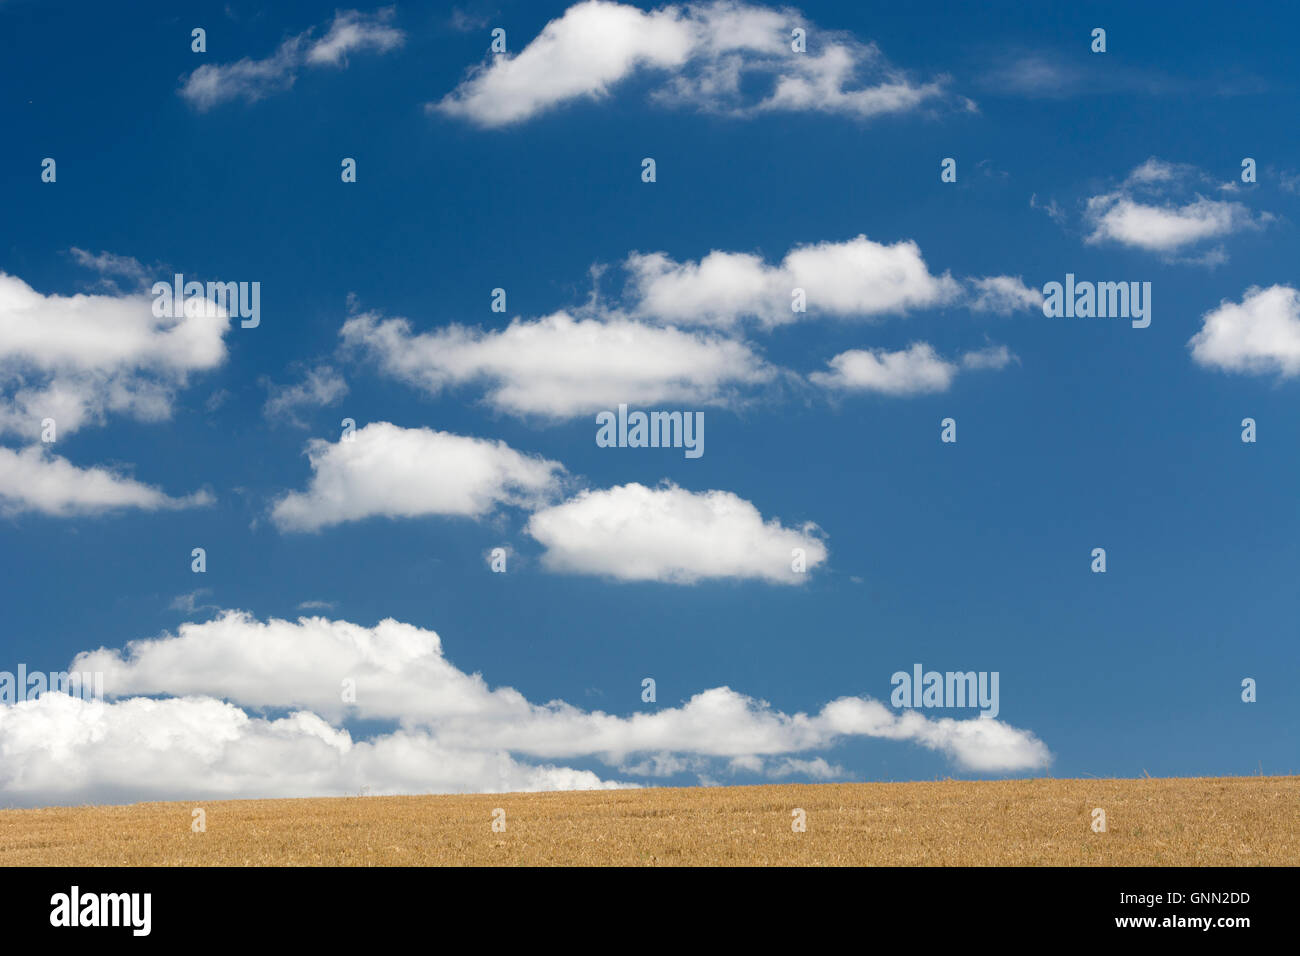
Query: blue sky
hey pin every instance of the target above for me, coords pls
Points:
(523, 171)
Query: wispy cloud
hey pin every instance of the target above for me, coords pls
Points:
(321, 386)
(251, 80)
(36, 480)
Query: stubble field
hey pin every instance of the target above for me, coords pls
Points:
(1166, 822)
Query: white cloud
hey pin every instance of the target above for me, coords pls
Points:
(1054, 212)
(108, 265)
(1004, 295)
(711, 53)
(251, 80)
(1164, 228)
(817, 769)
(1157, 209)
(385, 470)
(818, 83)
(994, 357)
(1156, 170)
(916, 370)
(189, 603)
(35, 479)
(454, 733)
(853, 278)
(559, 366)
(911, 371)
(60, 749)
(353, 32)
(635, 533)
(76, 358)
(1259, 335)
(320, 386)
(316, 605)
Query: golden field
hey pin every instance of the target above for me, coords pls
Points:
(1228, 821)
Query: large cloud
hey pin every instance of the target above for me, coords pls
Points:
(559, 366)
(454, 733)
(60, 749)
(635, 533)
(1259, 335)
(252, 80)
(713, 54)
(383, 469)
(76, 358)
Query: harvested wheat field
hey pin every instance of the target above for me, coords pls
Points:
(1166, 822)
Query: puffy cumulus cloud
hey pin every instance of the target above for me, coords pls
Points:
(590, 47)
(854, 278)
(252, 80)
(61, 749)
(561, 366)
(1259, 335)
(385, 470)
(454, 732)
(910, 371)
(711, 55)
(634, 533)
(1164, 228)
(979, 744)
(36, 480)
(77, 358)
(1157, 208)
(915, 370)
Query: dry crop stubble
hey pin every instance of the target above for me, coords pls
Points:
(1167, 822)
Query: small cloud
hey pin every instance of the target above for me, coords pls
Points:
(321, 387)
(216, 400)
(994, 357)
(466, 21)
(672, 535)
(111, 267)
(188, 603)
(1004, 295)
(317, 605)
(986, 169)
(1259, 335)
(1054, 212)
(1159, 208)
(916, 370)
(37, 480)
